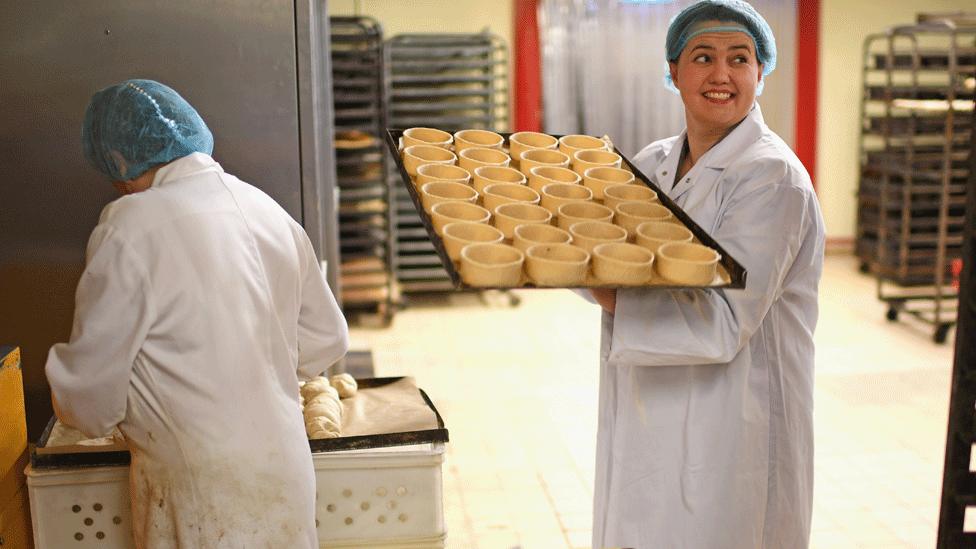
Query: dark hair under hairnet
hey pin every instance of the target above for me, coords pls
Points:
(683, 28)
(133, 126)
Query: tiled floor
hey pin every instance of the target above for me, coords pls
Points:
(517, 389)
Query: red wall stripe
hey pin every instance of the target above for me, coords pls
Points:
(527, 84)
(807, 78)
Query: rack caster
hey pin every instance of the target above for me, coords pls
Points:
(941, 333)
(500, 298)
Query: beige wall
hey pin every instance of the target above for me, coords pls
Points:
(843, 26)
(407, 16)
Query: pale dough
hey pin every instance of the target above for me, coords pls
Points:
(321, 409)
(315, 386)
(320, 427)
(345, 384)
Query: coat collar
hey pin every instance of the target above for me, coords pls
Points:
(725, 151)
(718, 157)
(186, 166)
(730, 148)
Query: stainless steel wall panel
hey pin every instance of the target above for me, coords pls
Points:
(236, 61)
(233, 60)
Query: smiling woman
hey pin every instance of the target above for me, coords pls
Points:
(705, 435)
(717, 76)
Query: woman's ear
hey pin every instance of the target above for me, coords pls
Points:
(759, 81)
(120, 162)
(673, 68)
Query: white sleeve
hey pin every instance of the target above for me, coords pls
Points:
(323, 336)
(89, 375)
(763, 230)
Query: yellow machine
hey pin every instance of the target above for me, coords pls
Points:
(15, 528)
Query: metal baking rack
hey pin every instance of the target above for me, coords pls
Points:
(915, 133)
(365, 206)
(447, 81)
(736, 272)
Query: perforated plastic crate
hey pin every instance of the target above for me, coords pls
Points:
(380, 498)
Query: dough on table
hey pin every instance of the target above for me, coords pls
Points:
(345, 384)
(314, 386)
(331, 410)
(322, 410)
(321, 427)
(63, 435)
(327, 393)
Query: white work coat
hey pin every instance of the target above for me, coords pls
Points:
(705, 433)
(201, 305)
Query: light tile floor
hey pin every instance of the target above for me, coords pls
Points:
(517, 389)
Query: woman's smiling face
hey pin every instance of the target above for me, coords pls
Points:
(717, 74)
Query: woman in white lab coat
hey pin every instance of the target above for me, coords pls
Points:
(200, 307)
(705, 433)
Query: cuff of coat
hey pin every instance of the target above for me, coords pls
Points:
(632, 341)
(628, 322)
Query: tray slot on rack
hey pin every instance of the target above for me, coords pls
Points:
(931, 59)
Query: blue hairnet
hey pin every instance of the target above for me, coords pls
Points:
(135, 125)
(737, 15)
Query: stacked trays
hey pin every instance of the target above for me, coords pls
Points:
(570, 213)
(916, 129)
(365, 208)
(448, 81)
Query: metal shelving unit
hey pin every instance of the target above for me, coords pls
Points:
(446, 81)
(366, 211)
(915, 134)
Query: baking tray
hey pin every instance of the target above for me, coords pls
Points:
(122, 457)
(736, 273)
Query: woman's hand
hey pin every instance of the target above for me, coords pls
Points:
(606, 297)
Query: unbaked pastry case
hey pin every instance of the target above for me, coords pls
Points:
(729, 274)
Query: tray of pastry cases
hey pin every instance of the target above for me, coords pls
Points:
(553, 264)
(376, 395)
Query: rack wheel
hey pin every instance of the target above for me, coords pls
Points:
(513, 300)
(941, 333)
(500, 298)
(892, 314)
(386, 314)
(864, 268)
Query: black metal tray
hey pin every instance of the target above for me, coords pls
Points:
(101, 459)
(737, 273)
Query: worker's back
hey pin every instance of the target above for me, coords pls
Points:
(215, 280)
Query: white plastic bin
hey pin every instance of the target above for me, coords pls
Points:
(380, 498)
(80, 508)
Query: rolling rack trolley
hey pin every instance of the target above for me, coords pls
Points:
(366, 210)
(450, 82)
(918, 95)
